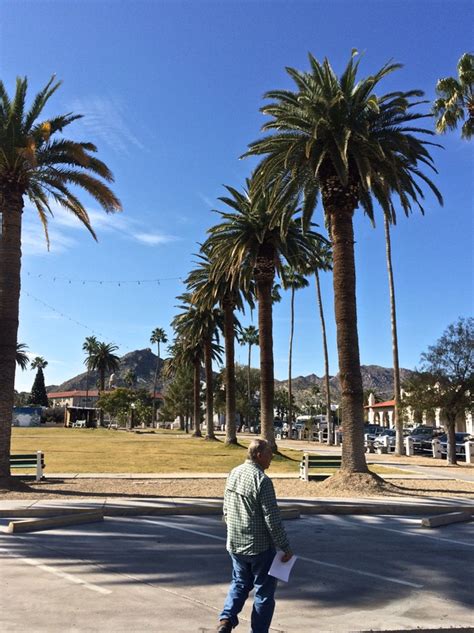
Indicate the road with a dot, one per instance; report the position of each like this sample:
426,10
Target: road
170,575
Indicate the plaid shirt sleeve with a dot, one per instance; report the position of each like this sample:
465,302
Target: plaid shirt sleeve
271,515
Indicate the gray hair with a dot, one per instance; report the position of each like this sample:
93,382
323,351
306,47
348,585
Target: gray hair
257,446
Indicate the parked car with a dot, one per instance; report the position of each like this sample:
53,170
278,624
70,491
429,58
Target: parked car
460,439
390,433
374,430
422,437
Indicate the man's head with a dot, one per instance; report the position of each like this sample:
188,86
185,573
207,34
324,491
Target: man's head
260,452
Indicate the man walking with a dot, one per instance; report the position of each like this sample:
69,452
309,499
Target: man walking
254,530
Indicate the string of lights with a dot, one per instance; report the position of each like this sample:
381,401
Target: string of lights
100,282
66,316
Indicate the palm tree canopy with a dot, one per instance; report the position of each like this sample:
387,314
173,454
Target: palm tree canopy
335,131
249,336
158,336
38,363
35,163
22,359
261,223
103,359
292,279
196,324
455,102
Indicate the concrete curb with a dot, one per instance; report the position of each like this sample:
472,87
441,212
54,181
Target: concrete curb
288,511
34,525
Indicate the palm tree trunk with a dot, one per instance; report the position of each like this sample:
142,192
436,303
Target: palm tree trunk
397,418
155,379
210,435
230,406
196,399
249,399
326,359
451,437
11,209
340,208
290,358
264,275
87,394
101,389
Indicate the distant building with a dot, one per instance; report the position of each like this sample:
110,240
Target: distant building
74,398
382,413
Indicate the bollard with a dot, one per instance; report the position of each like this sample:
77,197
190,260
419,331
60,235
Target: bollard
321,436
409,446
436,448
469,449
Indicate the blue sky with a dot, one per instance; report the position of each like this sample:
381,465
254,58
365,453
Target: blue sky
171,94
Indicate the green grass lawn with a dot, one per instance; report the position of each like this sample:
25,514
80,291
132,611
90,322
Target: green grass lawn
104,451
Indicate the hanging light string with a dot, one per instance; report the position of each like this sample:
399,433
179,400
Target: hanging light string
68,318
100,282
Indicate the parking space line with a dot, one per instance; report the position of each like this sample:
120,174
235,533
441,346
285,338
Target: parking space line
361,573
309,560
56,572
183,529
404,533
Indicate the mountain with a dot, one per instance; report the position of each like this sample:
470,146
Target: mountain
374,378
142,362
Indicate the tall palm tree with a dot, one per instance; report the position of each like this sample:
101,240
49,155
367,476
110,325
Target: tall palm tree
397,417
103,360
36,165
213,287
327,387
455,102
89,345
292,280
157,336
249,336
198,328
249,237
335,137
21,357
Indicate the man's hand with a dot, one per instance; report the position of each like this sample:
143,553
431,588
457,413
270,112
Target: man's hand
286,557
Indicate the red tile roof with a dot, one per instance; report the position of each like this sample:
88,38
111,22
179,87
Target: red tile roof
73,394
387,403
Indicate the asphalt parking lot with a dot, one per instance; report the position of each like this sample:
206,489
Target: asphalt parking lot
170,575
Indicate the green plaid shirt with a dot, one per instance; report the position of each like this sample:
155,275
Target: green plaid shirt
251,512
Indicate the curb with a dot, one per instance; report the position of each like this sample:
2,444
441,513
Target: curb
288,511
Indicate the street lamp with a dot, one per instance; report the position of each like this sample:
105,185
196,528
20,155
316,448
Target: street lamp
132,414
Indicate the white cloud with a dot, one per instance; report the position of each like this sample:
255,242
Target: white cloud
154,238
62,225
207,201
105,119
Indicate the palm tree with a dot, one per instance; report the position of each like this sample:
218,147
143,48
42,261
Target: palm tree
211,287
249,238
327,387
249,336
334,137
89,345
397,417
455,102
157,336
21,357
37,165
292,280
197,328
103,360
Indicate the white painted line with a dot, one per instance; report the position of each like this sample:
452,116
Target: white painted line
361,573
56,572
309,560
404,533
183,529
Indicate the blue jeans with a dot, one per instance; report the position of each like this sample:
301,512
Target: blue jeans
251,572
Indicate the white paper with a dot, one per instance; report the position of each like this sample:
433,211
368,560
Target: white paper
279,569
